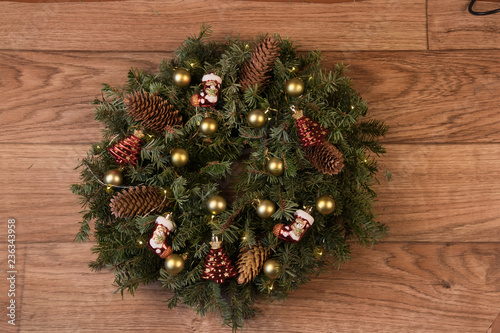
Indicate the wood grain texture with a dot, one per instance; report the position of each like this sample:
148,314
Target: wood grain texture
414,92
413,287
445,193
154,25
451,27
435,83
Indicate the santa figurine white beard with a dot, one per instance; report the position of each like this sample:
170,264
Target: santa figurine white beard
294,232
210,94
158,241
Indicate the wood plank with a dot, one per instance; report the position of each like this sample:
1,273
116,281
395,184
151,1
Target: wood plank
414,92
439,193
46,93
398,287
155,26
451,27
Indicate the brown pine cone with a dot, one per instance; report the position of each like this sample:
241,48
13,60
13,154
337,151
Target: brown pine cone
250,262
326,158
152,111
138,200
256,71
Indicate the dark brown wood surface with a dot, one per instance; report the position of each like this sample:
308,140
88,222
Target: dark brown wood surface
428,68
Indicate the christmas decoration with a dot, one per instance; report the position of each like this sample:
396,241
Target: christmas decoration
326,158
322,154
294,232
272,268
152,111
250,262
216,204
210,94
208,126
310,132
325,204
158,240
265,208
179,157
141,241
256,71
218,266
138,200
127,150
295,87
275,166
319,252
174,264
181,77
257,118
113,177
195,100
242,162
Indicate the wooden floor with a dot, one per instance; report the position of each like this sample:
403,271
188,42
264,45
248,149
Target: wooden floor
428,68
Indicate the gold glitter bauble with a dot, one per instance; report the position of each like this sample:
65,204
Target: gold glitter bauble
275,166
272,268
295,87
216,204
325,204
181,77
208,126
257,118
179,157
266,208
113,177
174,264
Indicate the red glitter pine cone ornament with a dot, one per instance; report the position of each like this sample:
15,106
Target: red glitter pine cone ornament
127,150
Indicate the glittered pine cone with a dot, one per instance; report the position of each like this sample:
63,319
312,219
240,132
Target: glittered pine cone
152,111
326,158
256,70
139,200
250,262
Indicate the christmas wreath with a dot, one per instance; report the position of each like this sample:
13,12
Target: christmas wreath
239,169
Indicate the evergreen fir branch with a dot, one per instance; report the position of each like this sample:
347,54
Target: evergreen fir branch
329,99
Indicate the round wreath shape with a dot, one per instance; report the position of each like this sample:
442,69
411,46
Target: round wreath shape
239,169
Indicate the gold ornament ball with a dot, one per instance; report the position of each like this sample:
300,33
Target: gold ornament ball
216,204
325,204
257,118
182,77
272,268
208,126
174,264
266,208
295,87
179,157
275,166
113,177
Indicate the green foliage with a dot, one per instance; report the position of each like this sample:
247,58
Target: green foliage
233,161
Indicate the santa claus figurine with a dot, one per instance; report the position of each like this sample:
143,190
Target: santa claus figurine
158,241
292,233
209,96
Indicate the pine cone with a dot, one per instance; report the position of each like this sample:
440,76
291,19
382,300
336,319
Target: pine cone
250,262
256,71
152,111
138,200
326,158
